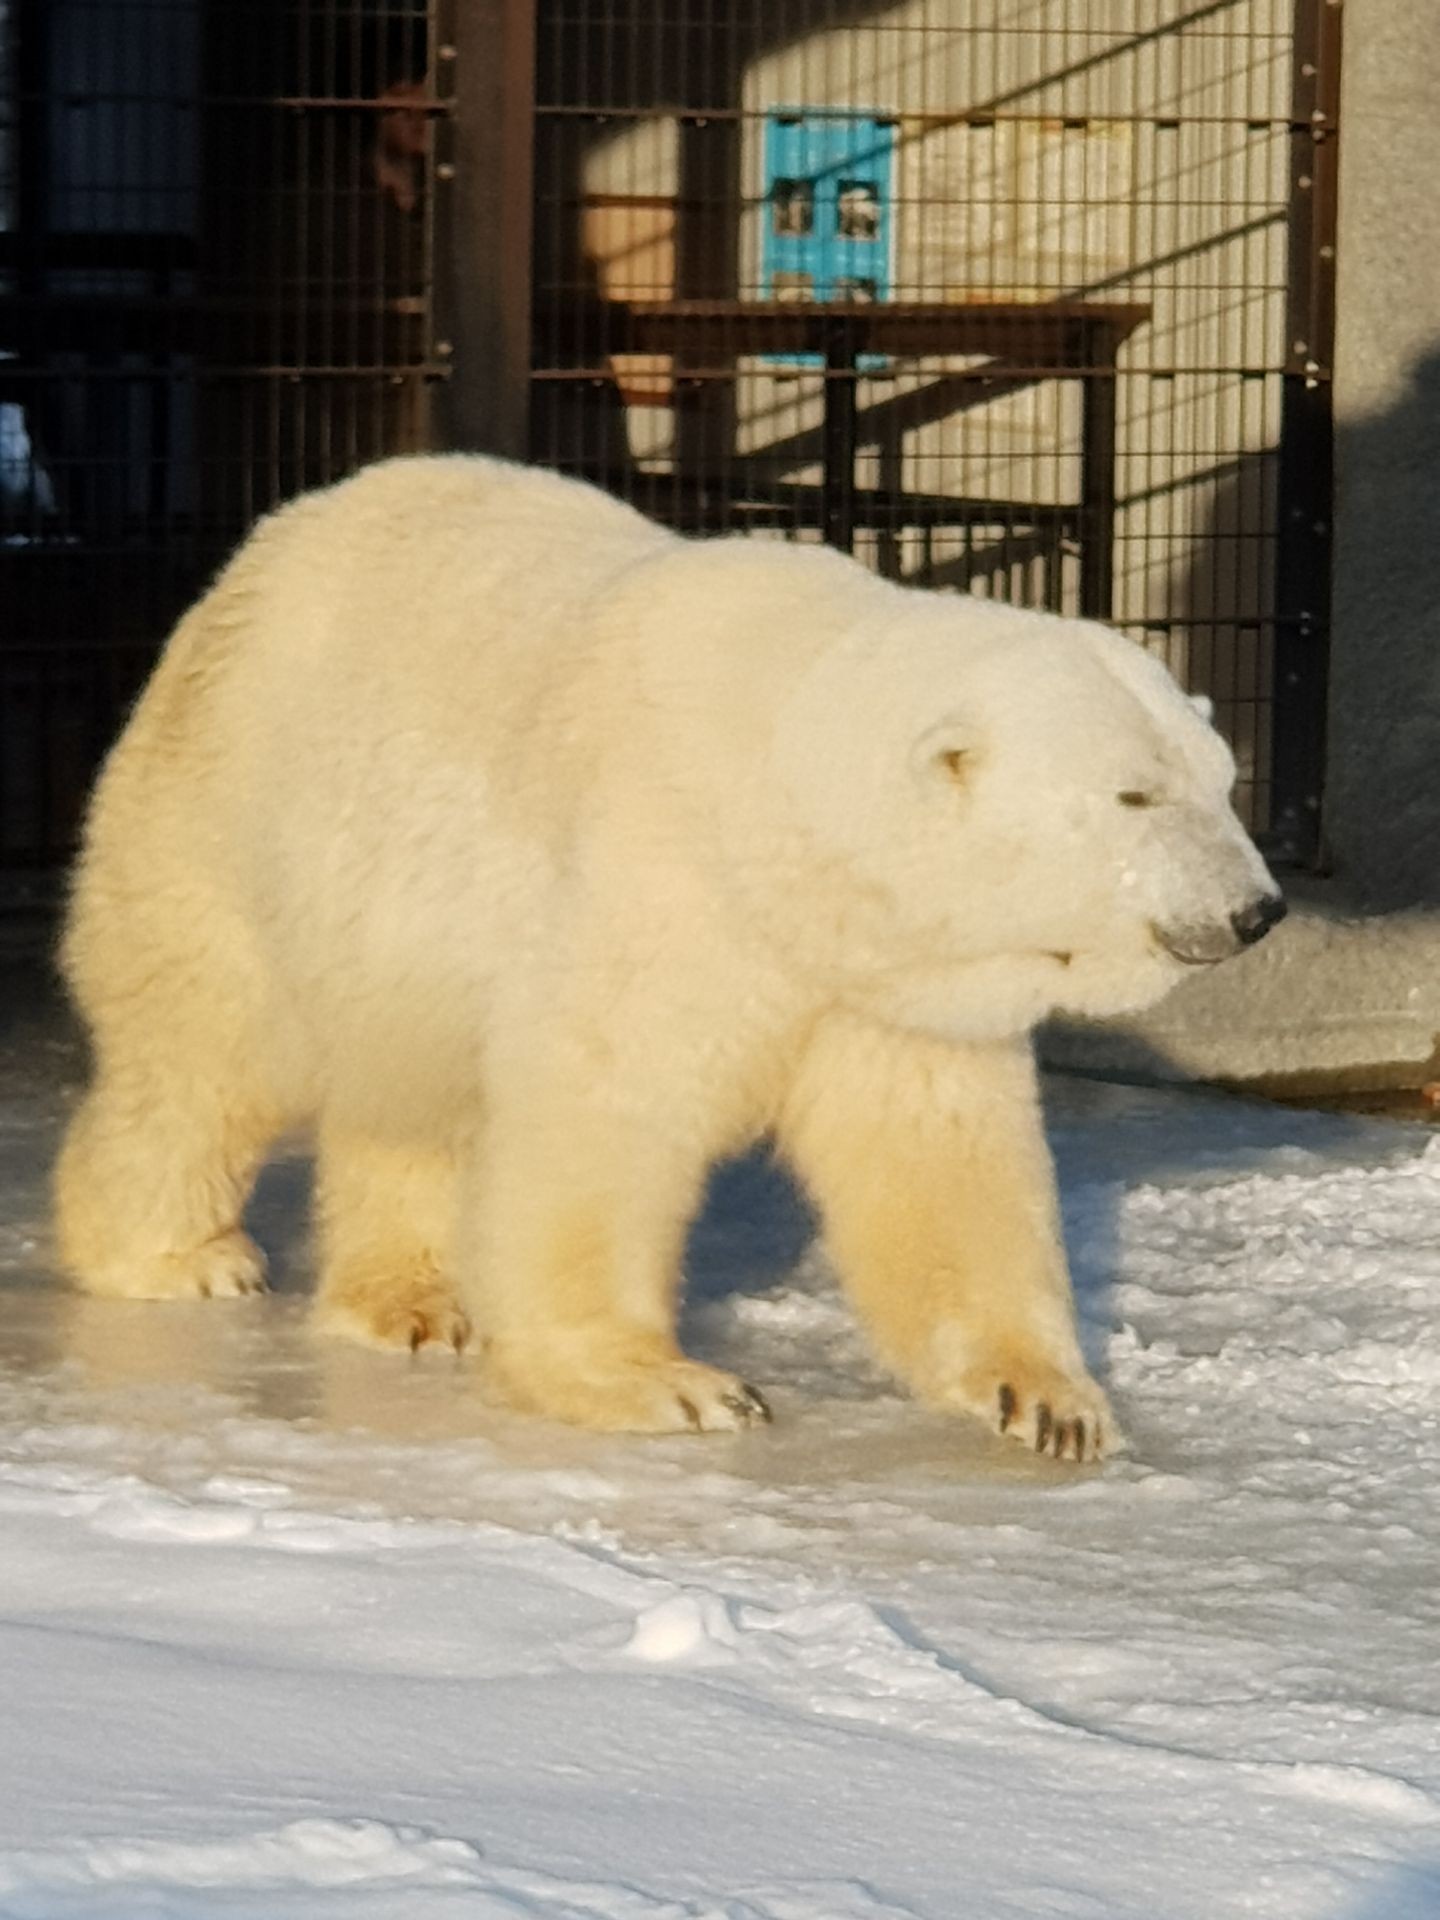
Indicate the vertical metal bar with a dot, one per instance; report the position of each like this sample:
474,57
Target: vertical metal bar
23,739
1302,584
32,173
484,257
838,434
707,257
1097,465
31,43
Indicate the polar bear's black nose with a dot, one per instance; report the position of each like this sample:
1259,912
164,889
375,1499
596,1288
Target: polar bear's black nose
1252,923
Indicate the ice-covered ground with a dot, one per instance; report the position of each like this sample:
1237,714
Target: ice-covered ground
289,1631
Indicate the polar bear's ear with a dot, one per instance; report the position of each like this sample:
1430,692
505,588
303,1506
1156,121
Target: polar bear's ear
945,752
1204,706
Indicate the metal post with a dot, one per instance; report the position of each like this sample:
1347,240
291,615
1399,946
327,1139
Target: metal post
1302,574
838,482
1097,461
485,168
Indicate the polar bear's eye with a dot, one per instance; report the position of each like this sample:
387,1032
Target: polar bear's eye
1135,797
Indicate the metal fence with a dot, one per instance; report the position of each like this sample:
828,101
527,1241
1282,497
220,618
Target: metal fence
216,262
1027,297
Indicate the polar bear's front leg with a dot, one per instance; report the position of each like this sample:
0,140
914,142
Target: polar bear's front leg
575,1231
929,1165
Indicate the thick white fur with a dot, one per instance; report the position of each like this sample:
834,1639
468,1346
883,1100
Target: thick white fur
536,858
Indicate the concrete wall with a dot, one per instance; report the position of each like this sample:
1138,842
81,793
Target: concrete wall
1383,799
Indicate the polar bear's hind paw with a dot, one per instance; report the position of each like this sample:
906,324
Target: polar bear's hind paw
229,1267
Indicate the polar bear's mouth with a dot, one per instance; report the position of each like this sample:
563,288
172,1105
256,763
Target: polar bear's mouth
1194,946
1205,943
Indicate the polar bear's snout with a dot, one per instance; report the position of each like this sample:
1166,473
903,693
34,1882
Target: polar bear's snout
1205,944
1252,923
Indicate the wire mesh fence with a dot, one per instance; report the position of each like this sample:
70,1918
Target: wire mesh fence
1000,294
1025,297
216,254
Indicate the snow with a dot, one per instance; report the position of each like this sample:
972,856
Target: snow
290,1631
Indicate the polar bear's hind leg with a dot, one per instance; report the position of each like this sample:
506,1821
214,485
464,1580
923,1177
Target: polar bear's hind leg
160,1157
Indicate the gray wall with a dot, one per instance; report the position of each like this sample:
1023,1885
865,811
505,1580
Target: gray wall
1383,802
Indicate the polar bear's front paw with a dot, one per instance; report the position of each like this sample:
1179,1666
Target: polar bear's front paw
1049,1409
400,1312
626,1393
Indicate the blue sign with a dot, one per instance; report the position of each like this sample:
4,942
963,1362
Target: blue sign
828,211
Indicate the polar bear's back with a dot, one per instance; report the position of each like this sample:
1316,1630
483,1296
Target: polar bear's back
360,729
417,615
422,569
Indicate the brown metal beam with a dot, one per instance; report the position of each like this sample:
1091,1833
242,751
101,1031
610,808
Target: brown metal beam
485,172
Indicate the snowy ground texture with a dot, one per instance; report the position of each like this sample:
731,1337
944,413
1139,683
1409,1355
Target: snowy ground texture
289,1631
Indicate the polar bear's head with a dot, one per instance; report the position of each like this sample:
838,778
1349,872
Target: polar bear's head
997,813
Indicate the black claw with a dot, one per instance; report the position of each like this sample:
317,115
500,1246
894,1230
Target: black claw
749,1404
458,1339
691,1413
417,1334
1042,1427
1079,1439
1007,1406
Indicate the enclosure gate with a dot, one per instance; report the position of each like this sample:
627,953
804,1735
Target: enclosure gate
1033,302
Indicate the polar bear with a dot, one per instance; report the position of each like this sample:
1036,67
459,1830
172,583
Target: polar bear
536,858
